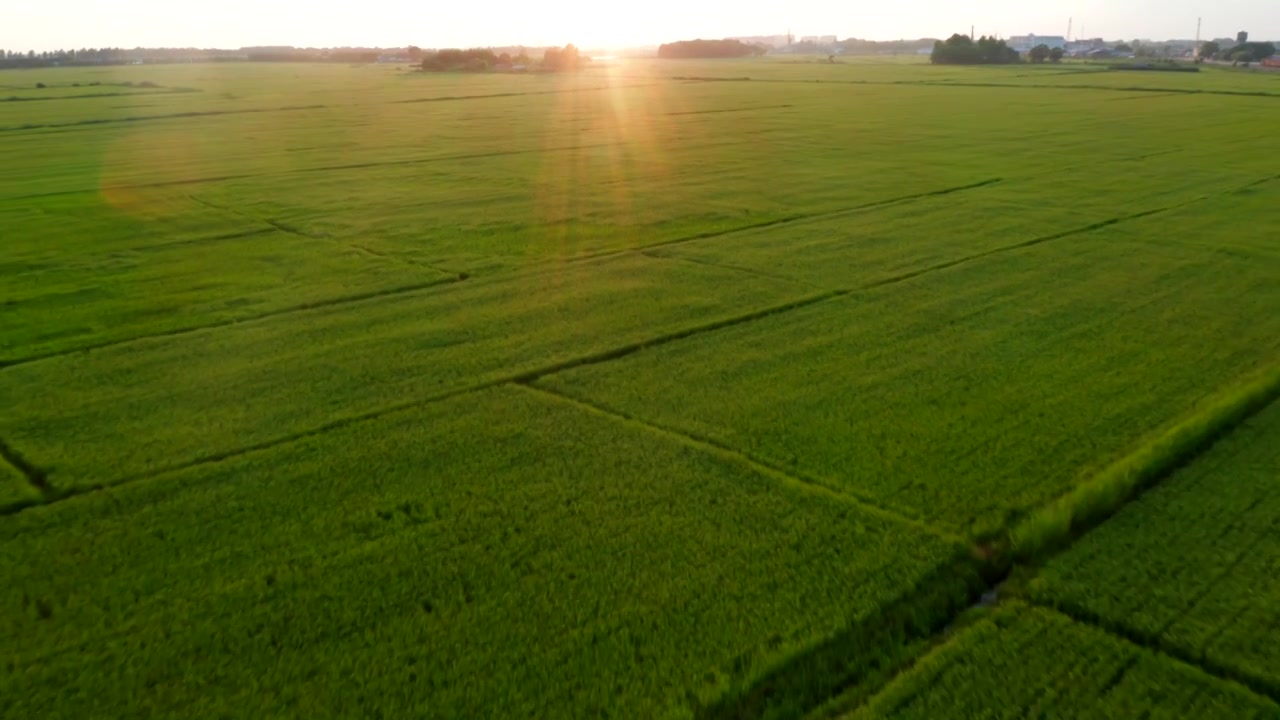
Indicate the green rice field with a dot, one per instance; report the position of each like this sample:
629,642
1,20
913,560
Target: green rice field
666,389
1203,547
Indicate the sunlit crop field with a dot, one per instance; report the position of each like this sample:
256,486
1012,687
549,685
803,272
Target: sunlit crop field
664,389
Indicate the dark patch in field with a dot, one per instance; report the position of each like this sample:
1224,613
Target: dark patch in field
170,116
38,478
90,96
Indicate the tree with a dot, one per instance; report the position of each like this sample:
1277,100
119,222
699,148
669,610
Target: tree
1056,54
1124,48
564,59
1039,53
686,49
1252,51
1209,49
473,60
962,50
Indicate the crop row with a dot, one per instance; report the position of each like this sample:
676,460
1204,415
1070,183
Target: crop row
1191,566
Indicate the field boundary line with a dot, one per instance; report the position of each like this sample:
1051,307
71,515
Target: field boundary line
945,265
171,116
786,220
347,166
631,348
303,307
911,274
723,266
1012,86
758,465
35,476
1056,525
94,96
526,376
292,230
727,110
1153,643
1002,559
567,91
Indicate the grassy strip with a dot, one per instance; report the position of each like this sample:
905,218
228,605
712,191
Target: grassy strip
859,660
1054,526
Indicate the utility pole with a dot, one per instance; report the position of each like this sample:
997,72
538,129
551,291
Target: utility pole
1198,21
971,35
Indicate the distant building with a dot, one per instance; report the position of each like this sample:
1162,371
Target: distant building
1024,43
1272,62
772,41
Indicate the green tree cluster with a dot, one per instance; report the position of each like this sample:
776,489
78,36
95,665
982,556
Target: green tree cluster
962,50
566,59
686,49
453,60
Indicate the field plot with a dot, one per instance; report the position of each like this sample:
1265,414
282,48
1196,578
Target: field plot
1030,662
90,290
498,554
259,382
1192,566
866,246
967,396
348,390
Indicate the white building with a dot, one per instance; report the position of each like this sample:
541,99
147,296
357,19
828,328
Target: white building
1024,43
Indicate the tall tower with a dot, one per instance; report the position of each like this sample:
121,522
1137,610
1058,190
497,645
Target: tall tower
1070,22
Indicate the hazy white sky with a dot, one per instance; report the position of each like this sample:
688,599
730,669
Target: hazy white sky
431,23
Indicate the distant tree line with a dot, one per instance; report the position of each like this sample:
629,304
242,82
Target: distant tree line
687,49
299,55
1244,52
108,56
564,59
455,60
962,50
1042,52
854,46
